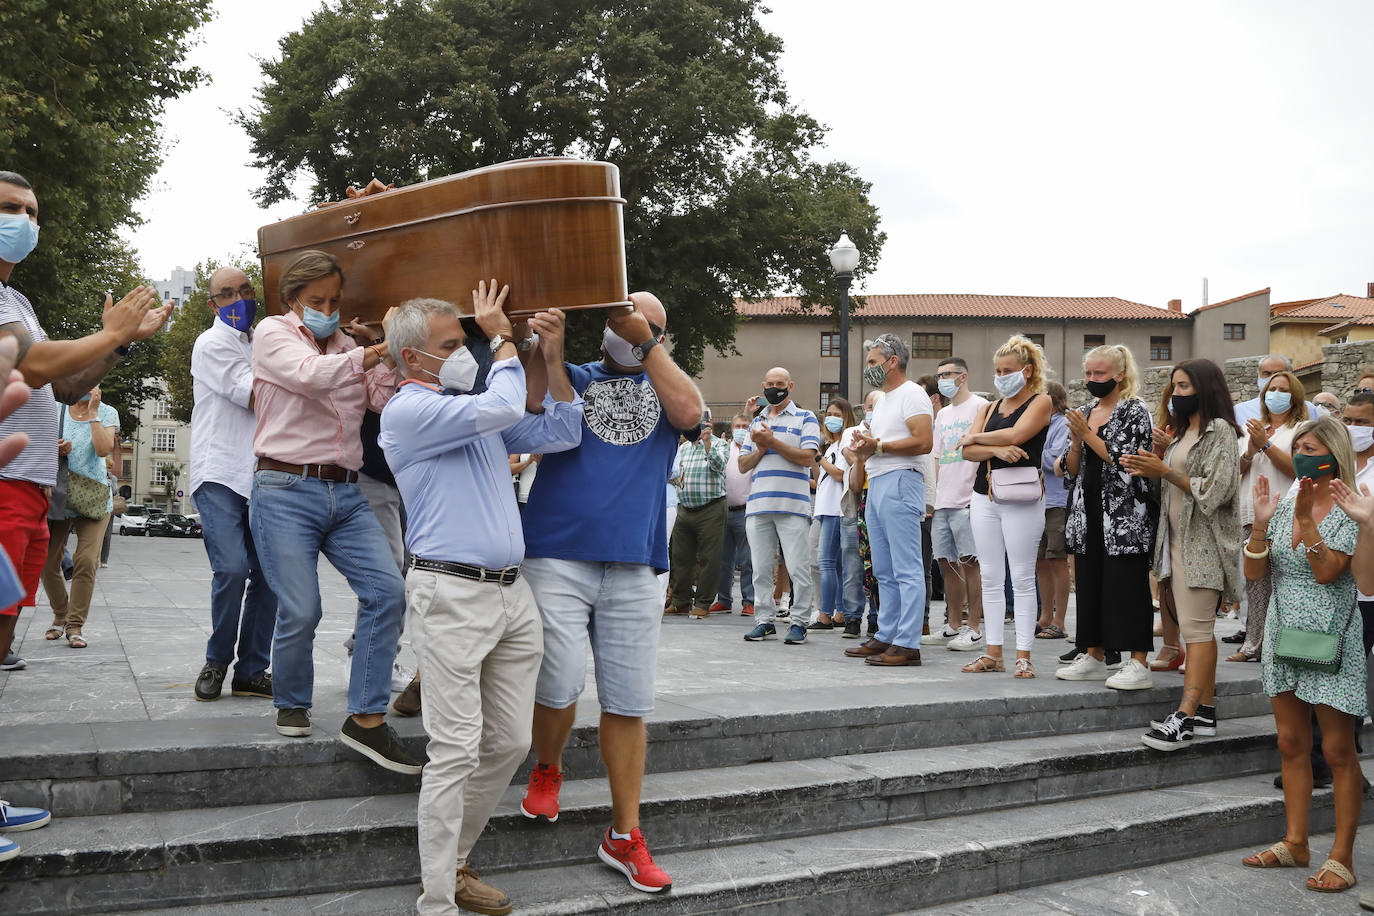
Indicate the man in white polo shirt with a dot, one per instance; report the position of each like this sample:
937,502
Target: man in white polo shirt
780,450
898,437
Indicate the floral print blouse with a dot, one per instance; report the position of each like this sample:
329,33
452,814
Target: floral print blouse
1128,519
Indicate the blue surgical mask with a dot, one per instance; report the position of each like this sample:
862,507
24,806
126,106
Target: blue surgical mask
1278,401
1010,384
18,236
868,417
318,323
948,387
834,424
240,313
738,434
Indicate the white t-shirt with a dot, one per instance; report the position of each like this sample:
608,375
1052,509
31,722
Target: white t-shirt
889,422
1279,482
954,484
829,491
525,479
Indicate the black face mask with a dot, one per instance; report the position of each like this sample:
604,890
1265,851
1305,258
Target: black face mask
1183,406
692,435
1101,389
775,396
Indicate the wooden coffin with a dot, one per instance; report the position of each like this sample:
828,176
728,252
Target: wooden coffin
551,228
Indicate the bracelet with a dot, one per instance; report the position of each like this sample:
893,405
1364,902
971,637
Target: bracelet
376,351
1265,446
1315,548
1245,549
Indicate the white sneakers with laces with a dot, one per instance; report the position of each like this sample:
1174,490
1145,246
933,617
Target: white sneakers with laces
1132,676
1083,668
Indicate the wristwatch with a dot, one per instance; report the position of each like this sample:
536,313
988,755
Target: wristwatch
527,344
879,449
642,350
496,343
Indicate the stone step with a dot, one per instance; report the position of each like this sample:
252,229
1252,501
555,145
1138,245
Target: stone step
95,863
126,767
882,870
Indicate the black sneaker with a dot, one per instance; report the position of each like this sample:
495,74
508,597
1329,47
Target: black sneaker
851,629
293,723
1073,653
873,628
1113,659
1204,722
381,745
210,682
1172,734
260,686
821,625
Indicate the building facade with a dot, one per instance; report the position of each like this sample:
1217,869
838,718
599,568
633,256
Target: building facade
776,332
1300,329
176,288
155,463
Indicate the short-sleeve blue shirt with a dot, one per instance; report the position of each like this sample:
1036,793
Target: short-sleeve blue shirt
779,485
605,501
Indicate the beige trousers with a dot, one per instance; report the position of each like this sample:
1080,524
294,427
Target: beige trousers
70,611
479,645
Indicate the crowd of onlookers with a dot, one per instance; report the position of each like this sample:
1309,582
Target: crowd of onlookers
1162,519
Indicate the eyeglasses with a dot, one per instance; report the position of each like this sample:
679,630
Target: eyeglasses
1364,390
245,291
955,374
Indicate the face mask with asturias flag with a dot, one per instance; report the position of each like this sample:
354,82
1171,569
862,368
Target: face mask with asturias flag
239,314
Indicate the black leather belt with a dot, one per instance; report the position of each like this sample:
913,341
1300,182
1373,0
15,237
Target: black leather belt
738,508
464,571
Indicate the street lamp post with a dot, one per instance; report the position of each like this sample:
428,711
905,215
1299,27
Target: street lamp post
844,257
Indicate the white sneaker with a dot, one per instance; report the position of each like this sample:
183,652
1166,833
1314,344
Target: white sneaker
401,676
968,640
1132,676
941,636
1083,668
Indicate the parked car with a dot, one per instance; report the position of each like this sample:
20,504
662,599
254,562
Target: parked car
177,526
135,520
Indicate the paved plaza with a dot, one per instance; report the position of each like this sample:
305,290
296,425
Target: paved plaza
147,630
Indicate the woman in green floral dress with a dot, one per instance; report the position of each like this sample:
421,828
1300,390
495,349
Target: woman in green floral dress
1308,541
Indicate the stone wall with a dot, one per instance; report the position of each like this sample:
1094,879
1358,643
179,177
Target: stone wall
1342,364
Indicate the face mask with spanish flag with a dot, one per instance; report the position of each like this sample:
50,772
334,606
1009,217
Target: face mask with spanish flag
1314,467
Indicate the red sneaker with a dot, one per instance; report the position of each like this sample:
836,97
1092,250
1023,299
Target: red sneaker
631,858
541,797
718,608
747,611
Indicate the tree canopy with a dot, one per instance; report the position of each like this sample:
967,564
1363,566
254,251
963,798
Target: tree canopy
82,91
724,195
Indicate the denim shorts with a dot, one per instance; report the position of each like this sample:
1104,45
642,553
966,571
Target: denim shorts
620,607
951,535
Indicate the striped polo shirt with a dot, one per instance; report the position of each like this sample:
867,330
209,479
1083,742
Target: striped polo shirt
37,463
779,485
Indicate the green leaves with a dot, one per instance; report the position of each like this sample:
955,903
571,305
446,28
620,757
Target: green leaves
724,196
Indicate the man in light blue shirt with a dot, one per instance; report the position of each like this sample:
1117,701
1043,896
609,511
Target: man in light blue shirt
781,451
480,640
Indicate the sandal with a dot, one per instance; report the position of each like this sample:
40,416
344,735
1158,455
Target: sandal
75,641
1238,657
1024,668
54,632
1315,882
1283,858
1053,631
984,664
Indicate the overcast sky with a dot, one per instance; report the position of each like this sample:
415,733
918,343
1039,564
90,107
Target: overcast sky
1049,148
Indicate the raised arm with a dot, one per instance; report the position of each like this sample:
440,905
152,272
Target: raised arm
676,391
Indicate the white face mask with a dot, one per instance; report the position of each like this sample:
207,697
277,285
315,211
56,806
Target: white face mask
459,371
619,349
1362,437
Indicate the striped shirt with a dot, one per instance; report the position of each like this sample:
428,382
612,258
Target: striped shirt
779,485
37,463
701,471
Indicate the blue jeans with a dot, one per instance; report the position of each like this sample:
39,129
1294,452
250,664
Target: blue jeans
294,520
896,506
735,554
839,557
234,564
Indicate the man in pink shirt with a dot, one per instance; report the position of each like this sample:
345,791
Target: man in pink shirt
951,534
311,386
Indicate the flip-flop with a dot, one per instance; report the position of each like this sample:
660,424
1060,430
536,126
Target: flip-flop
1283,858
53,633
1337,869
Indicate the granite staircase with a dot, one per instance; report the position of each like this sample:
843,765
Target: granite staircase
887,804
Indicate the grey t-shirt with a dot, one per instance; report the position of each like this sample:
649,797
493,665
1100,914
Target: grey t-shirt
37,463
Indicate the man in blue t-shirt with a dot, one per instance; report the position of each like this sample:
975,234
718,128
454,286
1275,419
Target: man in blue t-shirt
595,539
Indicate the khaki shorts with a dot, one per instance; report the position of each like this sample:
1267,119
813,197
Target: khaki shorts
1052,544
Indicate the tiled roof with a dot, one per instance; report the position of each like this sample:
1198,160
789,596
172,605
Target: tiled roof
1363,321
1336,308
1217,305
961,305
1278,308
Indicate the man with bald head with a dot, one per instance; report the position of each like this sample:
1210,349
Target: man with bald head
780,449
222,427
595,541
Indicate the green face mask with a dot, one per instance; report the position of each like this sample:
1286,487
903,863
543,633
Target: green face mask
1314,466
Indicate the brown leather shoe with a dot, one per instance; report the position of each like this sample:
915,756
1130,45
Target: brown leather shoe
407,702
672,611
872,647
479,897
894,657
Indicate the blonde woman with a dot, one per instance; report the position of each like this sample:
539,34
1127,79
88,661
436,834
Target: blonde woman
1110,527
1307,542
1265,453
1007,524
